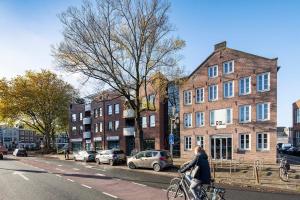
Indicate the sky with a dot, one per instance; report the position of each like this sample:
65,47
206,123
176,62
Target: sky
270,28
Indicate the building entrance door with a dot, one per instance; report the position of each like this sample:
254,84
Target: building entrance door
221,147
129,144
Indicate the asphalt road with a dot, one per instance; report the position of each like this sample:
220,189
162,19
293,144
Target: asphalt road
37,178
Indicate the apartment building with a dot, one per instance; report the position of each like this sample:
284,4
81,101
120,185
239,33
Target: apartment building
296,123
228,105
28,139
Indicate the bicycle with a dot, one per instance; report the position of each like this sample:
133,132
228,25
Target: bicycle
180,189
284,167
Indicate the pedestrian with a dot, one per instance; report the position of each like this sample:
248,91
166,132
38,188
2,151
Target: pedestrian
200,173
68,152
65,153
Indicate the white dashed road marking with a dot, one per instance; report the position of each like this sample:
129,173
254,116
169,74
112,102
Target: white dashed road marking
76,169
70,180
139,184
21,175
59,165
58,175
103,170
88,166
100,174
86,186
60,169
113,196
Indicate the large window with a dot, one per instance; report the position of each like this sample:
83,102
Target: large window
96,128
80,116
213,92
263,82
100,127
187,143
245,86
117,108
187,120
200,141
96,113
228,89
74,130
228,67
199,119
144,122
229,116
81,129
212,120
297,115
245,114
262,141
100,112
199,95
245,142
152,120
110,125
187,97
263,111
213,71
109,109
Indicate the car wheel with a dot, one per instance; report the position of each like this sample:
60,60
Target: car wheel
156,167
98,161
131,165
111,163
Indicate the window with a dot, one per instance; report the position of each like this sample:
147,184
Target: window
187,143
152,120
110,126
228,67
187,97
151,100
262,141
200,141
229,116
228,89
188,120
100,112
213,92
109,109
245,114
297,114
263,111
144,122
117,124
213,71
245,86
74,130
100,127
245,142
81,129
80,116
263,82
96,128
199,95
73,117
297,138
212,120
96,114
117,108
199,119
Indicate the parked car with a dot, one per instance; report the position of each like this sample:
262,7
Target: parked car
156,159
293,151
111,157
1,156
84,156
3,150
20,152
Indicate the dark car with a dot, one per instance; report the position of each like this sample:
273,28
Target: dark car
20,152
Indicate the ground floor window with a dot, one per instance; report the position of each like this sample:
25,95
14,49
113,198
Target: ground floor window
113,144
76,146
200,141
262,141
187,143
149,144
98,145
297,138
244,141
221,147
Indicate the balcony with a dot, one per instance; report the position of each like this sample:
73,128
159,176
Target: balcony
129,131
87,135
86,120
129,113
87,107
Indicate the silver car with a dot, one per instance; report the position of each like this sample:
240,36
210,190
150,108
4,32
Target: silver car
84,156
111,157
156,159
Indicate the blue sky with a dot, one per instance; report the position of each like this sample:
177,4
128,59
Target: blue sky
269,28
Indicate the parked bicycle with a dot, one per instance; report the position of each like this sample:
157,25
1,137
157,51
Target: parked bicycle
284,168
180,189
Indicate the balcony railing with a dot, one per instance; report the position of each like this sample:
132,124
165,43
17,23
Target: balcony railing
86,120
129,113
86,134
129,131
87,107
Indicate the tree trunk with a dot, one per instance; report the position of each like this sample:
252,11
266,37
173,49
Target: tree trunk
139,135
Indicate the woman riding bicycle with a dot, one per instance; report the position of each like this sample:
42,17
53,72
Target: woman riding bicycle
202,173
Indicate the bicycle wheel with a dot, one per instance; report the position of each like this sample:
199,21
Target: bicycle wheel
283,174
175,181
175,192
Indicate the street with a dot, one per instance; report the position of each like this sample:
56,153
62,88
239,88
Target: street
56,179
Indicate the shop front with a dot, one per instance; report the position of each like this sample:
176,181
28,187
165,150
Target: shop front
98,143
113,142
76,144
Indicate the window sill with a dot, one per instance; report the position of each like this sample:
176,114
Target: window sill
263,150
247,122
199,102
187,104
262,91
244,94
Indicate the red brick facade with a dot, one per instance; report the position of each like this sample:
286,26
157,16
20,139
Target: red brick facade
296,123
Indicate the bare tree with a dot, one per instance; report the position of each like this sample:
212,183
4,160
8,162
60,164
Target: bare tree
121,43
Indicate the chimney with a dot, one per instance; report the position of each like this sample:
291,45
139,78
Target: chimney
219,46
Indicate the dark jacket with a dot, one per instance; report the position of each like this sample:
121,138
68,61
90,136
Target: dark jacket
203,173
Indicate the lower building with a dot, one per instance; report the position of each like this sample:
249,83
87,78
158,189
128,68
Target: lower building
284,135
296,123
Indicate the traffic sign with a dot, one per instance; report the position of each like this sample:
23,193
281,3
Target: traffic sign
171,138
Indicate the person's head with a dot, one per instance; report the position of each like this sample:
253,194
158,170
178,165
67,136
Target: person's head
198,149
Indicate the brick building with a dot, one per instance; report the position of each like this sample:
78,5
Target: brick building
296,123
228,105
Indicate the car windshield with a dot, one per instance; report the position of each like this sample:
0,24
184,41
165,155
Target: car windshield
91,152
21,151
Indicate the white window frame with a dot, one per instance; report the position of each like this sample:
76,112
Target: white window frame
96,114
200,141
200,119
212,123
263,111
96,128
187,143
101,127
80,116
224,68
109,110
199,95
228,83
100,112
117,108
188,120
244,86
214,70
243,111
263,148
187,97
214,89
231,117
243,143
117,125
74,117
110,125
152,120
263,89
81,129
144,122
